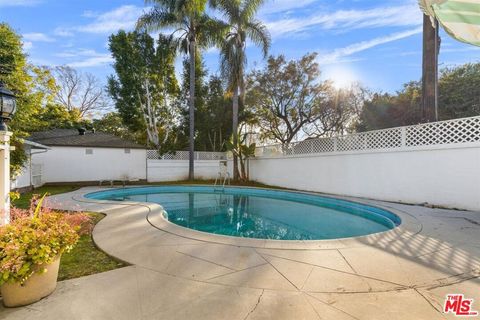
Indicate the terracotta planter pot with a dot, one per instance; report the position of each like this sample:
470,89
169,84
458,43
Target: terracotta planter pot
35,288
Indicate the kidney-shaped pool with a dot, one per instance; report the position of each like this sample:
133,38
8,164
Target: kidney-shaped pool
259,213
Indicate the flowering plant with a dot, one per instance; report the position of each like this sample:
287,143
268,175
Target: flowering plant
37,237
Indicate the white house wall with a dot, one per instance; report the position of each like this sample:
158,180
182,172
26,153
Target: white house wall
73,164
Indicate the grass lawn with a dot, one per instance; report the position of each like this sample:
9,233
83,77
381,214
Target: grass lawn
85,258
24,201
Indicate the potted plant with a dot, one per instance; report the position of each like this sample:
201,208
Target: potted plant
30,250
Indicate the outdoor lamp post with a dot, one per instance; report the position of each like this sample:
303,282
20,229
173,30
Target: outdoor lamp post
8,107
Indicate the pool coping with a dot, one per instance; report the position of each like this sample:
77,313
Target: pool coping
409,224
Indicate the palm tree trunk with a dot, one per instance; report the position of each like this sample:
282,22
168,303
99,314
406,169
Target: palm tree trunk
241,85
430,71
235,131
191,148
243,175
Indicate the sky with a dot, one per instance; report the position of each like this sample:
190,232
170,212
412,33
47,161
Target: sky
377,43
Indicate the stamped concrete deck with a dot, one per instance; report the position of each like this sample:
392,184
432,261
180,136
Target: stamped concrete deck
178,273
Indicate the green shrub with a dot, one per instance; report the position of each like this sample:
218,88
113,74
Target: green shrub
37,237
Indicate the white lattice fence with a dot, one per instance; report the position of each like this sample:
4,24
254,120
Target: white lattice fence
458,131
445,132
184,155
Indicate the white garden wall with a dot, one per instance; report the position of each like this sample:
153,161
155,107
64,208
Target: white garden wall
76,164
172,170
436,163
448,176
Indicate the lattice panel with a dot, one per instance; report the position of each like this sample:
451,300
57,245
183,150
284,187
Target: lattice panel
444,132
351,142
211,155
313,146
383,139
184,155
181,155
153,154
466,130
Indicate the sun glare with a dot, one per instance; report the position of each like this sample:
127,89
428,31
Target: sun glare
342,77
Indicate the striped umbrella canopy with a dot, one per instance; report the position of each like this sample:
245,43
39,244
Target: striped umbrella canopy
459,18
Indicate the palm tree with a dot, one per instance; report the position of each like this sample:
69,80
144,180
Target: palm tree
242,25
193,28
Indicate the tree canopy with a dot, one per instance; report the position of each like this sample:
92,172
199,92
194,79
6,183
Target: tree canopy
291,102
35,90
144,87
459,97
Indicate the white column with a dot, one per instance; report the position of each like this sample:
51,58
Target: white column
5,177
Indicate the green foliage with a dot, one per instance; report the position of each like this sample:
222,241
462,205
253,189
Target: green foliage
11,56
193,29
35,90
387,111
214,122
213,110
144,86
459,91
25,199
35,238
192,26
242,150
85,258
241,25
112,123
18,157
459,96
33,87
57,116
289,100
134,55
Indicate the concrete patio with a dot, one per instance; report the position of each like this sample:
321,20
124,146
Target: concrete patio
177,273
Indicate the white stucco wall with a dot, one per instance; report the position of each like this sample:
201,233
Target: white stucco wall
72,164
442,176
171,170
23,179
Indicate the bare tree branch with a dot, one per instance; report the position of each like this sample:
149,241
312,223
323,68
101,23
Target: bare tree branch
80,92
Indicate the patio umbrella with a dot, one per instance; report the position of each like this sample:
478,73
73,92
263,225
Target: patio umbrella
459,18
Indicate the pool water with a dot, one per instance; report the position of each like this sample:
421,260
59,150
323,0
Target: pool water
259,213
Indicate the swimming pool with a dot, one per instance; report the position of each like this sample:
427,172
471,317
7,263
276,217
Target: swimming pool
259,213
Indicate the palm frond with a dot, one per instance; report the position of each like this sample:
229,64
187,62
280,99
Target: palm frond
258,33
230,8
211,32
156,19
165,4
250,8
232,61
